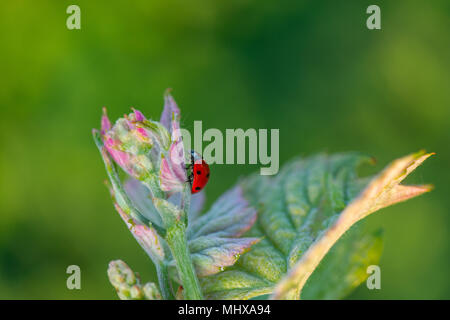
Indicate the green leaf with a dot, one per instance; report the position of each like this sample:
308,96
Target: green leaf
302,212
345,267
213,238
211,255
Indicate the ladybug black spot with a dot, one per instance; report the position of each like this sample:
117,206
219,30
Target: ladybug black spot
207,175
197,188
199,172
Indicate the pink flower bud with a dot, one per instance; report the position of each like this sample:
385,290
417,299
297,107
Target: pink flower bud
147,149
173,169
170,110
128,145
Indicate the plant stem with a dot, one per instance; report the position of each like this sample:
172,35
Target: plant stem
162,272
176,239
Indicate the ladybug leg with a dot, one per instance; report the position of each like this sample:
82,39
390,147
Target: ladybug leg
190,170
190,178
190,167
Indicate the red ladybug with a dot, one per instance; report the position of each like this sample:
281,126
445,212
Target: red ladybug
200,172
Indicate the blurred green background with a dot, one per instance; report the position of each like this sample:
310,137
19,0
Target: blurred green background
310,68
